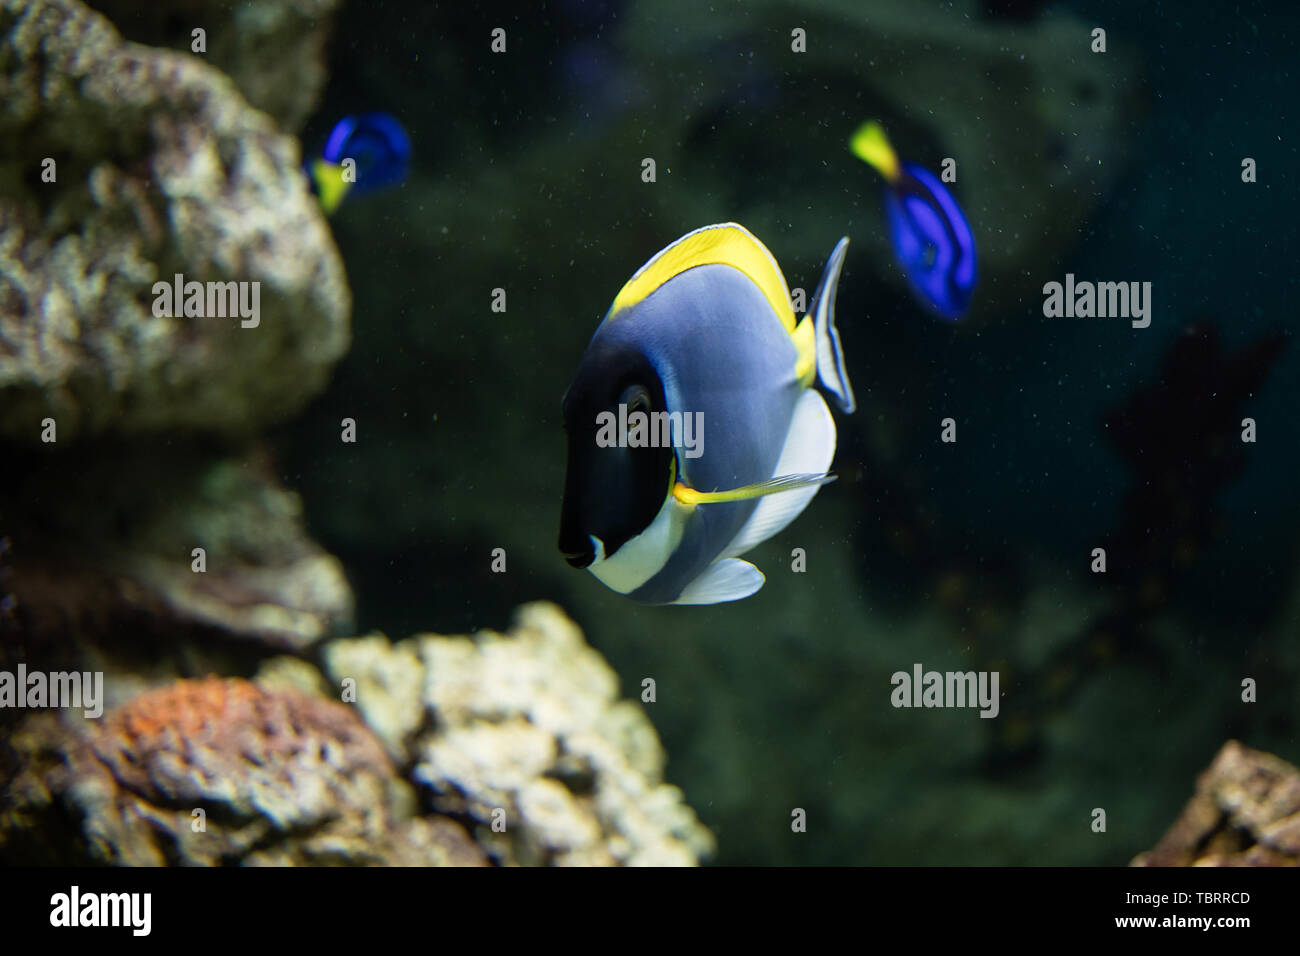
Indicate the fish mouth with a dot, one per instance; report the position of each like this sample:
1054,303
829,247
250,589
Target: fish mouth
580,550
580,559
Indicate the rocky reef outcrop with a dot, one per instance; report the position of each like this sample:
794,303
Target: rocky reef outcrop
125,165
274,50
508,748
128,429
180,540
215,772
1246,812
524,735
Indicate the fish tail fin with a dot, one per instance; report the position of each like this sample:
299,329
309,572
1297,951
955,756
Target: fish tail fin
870,144
831,371
330,186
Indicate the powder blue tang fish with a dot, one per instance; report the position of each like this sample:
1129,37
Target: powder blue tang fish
378,145
931,238
704,330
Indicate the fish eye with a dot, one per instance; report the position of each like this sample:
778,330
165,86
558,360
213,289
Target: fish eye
636,398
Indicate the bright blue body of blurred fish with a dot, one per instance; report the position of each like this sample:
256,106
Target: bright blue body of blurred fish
378,146
932,240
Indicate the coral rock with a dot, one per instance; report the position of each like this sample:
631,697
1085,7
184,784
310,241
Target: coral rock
1246,812
280,777
274,50
162,169
120,545
524,734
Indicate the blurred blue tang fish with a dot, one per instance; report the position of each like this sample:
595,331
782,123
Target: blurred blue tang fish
376,143
931,238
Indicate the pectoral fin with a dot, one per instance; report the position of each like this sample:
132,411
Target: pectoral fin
729,579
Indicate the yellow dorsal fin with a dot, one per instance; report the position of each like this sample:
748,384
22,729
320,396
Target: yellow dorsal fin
724,244
871,146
